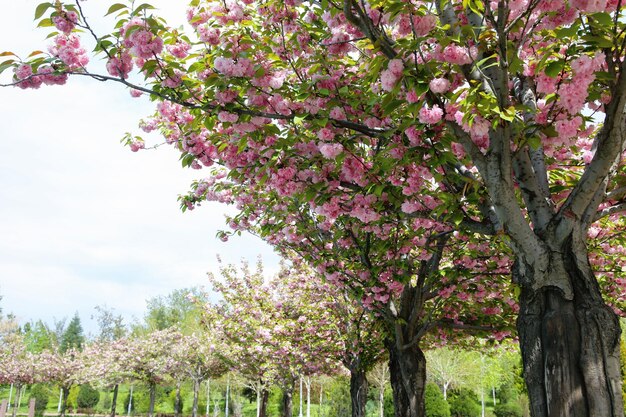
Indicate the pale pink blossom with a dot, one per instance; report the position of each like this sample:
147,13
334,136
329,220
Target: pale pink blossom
430,115
439,85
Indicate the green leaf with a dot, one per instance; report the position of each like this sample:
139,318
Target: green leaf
534,142
41,9
115,7
567,32
554,68
142,7
603,19
7,64
392,105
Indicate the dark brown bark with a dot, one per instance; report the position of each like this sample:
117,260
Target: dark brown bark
358,391
114,400
196,390
265,397
287,400
178,401
152,399
407,369
570,348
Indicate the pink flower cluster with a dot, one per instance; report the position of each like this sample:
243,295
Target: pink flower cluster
390,77
439,85
418,25
572,95
120,66
65,21
45,75
455,54
243,67
141,42
430,116
68,49
179,50
331,150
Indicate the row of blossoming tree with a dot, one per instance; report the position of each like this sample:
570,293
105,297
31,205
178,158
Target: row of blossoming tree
412,151
271,332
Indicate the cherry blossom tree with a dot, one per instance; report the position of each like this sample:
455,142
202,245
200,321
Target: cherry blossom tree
149,359
406,134
198,359
18,365
65,368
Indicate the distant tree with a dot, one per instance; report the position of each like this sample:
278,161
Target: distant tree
111,326
112,329
73,336
179,309
38,336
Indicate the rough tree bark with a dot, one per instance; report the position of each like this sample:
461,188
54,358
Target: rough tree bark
287,400
152,399
196,393
570,342
358,390
407,369
114,400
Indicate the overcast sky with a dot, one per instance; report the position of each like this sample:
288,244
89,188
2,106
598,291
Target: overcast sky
84,221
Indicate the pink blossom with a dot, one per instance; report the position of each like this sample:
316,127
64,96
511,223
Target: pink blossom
412,97
180,49
331,150
455,54
337,113
568,128
590,6
325,134
409,207
120,66
430,115
65,21
225,116
439,85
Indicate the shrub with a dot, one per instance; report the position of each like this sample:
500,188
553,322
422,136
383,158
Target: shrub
435,404
87,397
464,403
508,410
40,393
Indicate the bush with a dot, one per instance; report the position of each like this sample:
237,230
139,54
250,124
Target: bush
40,393
464,403
435,404
87,397
508,410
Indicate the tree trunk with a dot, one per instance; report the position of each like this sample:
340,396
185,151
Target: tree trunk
407,368
569,343
196,393
265,398
152,399
177,401
66,393
114,400
16,403
287,401
358,391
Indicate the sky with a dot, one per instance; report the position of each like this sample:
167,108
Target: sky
84,222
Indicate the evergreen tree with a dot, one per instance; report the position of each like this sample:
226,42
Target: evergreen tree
73,336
